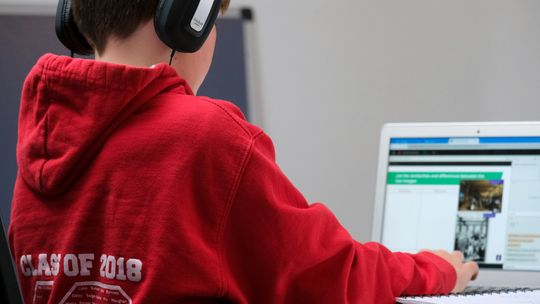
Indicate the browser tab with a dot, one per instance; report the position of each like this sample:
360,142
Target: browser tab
464,141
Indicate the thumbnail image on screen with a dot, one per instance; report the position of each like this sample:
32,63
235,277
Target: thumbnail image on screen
481,195
471,237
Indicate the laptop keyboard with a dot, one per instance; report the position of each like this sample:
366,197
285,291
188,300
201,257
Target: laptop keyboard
471,290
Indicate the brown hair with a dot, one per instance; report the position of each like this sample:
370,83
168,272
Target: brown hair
98,20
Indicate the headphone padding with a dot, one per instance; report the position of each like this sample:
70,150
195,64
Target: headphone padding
172,24
68,32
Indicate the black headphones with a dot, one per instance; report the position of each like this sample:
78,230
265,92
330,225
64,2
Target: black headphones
183,25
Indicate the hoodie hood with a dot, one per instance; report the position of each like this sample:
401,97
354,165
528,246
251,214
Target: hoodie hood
70,107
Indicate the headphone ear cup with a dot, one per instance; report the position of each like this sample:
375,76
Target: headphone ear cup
67,31
184,25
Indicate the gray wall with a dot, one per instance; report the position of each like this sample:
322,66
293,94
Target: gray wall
330,73
334,71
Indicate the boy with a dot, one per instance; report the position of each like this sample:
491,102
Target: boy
132,189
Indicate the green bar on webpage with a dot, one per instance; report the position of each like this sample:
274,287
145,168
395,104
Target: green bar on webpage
439,178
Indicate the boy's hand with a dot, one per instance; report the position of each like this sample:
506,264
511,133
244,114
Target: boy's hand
465,271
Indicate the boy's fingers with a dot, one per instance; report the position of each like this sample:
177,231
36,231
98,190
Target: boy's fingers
458,256
473,269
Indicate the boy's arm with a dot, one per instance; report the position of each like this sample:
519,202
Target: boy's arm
275,248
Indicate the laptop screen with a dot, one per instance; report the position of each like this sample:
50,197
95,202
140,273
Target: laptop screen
479,195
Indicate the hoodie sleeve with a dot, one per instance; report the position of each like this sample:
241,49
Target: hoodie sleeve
278,249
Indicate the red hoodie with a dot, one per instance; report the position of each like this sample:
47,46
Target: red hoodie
132,190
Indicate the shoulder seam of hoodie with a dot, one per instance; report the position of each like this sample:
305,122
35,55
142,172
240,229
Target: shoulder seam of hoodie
224,219
233,191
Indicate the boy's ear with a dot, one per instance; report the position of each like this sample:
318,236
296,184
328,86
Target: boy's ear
184,25
67,31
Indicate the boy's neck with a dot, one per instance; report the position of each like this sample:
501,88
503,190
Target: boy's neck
141,49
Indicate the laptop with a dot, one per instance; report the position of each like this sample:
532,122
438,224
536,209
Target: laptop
473,187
